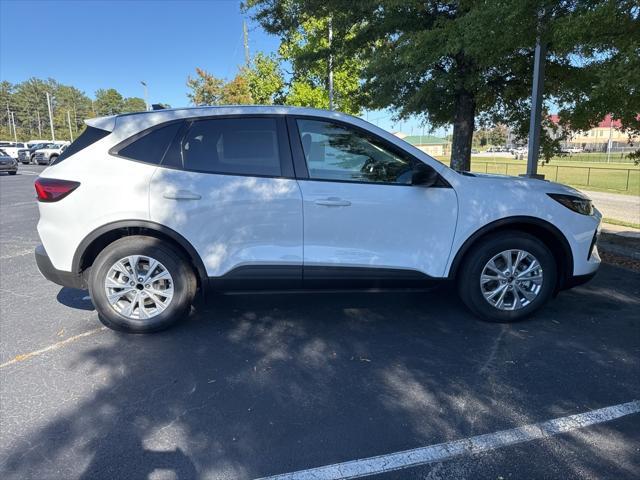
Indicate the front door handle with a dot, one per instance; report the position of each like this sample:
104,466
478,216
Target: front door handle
333,202
182,195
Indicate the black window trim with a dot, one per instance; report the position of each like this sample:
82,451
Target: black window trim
286,164
302,172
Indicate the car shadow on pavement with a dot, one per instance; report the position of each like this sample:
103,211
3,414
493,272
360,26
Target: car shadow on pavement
75,298
255,385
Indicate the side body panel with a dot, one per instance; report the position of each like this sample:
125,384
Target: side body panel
486,199
237,221
111,189
383,226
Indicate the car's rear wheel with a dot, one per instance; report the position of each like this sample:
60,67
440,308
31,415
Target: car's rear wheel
141,284
12,173
507,277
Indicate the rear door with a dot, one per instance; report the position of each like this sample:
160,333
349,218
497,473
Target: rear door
227,186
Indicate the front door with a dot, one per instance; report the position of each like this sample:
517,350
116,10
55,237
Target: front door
361,208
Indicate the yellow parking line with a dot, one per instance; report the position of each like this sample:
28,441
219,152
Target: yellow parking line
55,346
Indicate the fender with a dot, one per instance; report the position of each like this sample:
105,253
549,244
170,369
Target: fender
138,224
517,221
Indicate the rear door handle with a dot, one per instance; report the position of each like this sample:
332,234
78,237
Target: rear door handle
182,195
333,202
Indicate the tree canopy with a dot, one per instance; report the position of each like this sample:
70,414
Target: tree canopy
28,102
470,63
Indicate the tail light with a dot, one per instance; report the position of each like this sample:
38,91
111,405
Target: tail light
52,189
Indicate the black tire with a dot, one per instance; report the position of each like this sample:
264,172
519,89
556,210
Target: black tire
184,283
12,173
53,159
478,256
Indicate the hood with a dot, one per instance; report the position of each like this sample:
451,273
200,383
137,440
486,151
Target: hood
524,183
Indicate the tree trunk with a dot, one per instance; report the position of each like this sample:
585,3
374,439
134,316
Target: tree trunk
463,127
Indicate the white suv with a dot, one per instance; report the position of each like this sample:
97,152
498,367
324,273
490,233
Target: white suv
145,209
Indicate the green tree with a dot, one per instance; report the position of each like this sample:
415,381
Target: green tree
205,88
265,79
604,37
462,61
236,92
133,104
6,94
108,102
306,48
497,135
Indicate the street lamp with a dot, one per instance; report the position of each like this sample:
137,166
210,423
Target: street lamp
146,94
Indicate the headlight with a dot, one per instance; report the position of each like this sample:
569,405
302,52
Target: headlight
577,204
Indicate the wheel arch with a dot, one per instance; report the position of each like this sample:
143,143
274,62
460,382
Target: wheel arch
546,232
98,239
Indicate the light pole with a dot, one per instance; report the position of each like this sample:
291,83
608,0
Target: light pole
536,103
69,121
53,133
146,94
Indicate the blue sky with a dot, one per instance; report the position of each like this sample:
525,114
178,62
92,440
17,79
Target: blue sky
94,44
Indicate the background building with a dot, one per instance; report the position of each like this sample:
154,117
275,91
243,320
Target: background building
597,139
431,145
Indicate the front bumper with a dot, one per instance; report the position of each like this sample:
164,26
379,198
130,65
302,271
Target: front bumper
60,277
576,280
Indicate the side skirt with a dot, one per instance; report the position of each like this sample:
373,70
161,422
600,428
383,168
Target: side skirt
274,278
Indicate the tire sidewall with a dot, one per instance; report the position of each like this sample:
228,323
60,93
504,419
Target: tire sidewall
470,285
182,275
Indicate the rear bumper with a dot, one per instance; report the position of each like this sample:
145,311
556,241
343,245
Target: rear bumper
48,271
8,168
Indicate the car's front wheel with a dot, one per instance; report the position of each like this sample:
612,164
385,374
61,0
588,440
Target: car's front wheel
507,276
141,284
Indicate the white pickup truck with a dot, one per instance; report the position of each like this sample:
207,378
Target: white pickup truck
11,148
46,156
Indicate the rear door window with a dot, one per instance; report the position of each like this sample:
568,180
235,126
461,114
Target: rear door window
236,146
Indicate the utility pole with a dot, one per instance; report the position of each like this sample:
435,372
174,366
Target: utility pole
39,124
245,34
69,121
53,133
13,121
146,94
536,104
330,66
8,118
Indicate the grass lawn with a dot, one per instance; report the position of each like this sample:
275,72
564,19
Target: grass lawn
607,177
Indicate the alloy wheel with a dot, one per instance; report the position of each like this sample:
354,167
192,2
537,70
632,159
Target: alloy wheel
511,280
139,287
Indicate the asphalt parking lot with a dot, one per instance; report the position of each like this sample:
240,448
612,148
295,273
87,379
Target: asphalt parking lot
260,385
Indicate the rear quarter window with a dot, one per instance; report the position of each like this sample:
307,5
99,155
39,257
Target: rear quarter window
90,136
151,146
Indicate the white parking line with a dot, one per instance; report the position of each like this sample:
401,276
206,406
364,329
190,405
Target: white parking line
467,446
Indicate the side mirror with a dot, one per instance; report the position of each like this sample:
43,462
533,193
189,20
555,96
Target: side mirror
424,175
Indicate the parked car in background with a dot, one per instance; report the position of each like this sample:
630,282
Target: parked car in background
571,150
26,155
7,163
145,208
520,153
48,155
13,149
